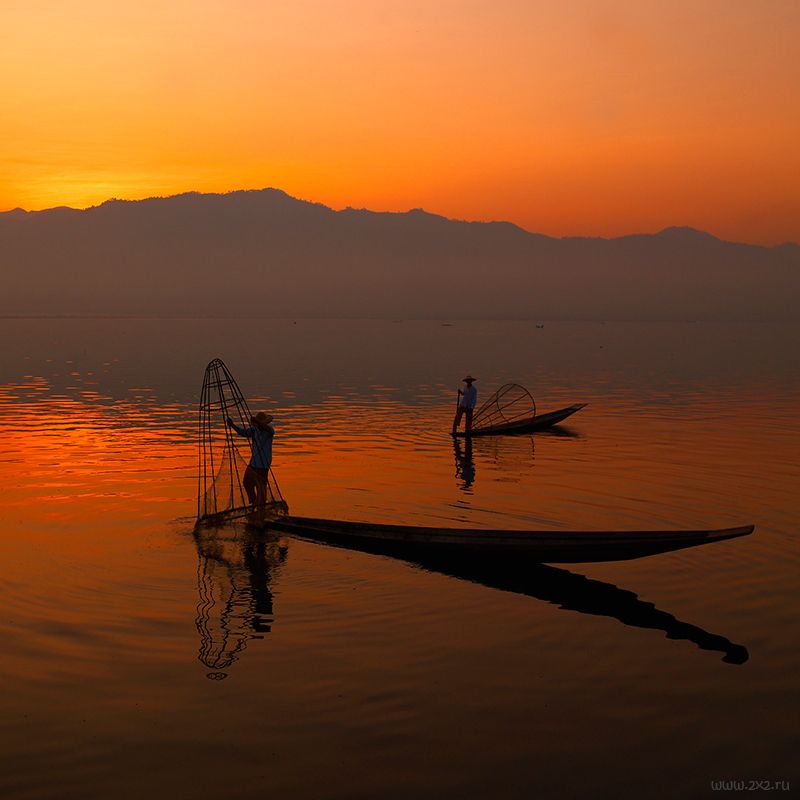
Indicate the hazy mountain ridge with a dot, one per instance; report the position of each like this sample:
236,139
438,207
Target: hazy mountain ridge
264,253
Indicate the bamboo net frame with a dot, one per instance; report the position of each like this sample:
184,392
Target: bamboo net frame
220,491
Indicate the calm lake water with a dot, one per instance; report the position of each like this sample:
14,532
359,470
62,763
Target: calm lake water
143,661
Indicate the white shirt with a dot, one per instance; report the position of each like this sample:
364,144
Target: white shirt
260,445
469,397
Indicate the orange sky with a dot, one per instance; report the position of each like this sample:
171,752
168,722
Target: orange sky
567,117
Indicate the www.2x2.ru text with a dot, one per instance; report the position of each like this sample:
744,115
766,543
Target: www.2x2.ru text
749,786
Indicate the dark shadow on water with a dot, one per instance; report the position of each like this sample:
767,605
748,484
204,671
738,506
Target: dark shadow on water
560,432
569,591
573,592
236,563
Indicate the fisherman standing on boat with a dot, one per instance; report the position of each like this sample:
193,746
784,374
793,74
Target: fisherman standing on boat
256,475
466,405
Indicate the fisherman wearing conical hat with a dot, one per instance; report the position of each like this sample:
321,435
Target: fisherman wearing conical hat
256,476
466,405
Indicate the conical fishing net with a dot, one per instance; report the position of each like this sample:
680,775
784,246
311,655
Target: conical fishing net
222,467
510,404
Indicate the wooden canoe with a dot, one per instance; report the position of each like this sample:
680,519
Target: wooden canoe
562,547
536,423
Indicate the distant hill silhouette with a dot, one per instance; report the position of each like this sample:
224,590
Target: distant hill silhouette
265,254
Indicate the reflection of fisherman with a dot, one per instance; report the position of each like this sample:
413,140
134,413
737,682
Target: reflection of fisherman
467,400
465,466
261,433
237,565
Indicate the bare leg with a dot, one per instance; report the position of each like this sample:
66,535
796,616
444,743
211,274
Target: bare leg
261,488
250,484
255,484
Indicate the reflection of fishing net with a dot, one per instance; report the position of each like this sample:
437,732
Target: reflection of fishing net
222,467
508,405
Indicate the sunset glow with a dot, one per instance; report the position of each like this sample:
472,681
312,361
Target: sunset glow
570,118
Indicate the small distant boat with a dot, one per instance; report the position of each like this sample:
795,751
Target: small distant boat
512,409
564,547
526,425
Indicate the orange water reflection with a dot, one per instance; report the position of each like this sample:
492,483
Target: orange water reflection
114,611
64,459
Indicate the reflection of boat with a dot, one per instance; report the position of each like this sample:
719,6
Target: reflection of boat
543,546
526,425
573,592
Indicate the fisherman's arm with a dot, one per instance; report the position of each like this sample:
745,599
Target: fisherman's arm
241,431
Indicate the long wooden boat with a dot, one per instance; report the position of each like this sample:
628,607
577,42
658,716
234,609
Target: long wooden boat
535,423
563,547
